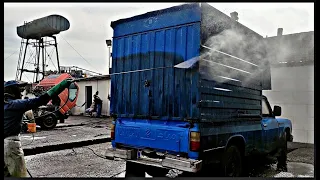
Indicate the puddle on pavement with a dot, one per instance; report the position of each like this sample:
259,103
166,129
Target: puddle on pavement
300,169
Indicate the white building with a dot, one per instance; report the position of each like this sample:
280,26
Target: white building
292,81
87,88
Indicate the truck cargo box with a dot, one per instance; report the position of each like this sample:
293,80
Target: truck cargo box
188,62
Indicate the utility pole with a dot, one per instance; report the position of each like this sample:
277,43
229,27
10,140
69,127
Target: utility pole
109,43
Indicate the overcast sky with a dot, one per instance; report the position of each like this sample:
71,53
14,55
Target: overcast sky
90,27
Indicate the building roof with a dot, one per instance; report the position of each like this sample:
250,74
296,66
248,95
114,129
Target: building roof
292,49
95,78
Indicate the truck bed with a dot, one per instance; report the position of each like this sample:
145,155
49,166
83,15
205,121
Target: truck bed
146,85
157,135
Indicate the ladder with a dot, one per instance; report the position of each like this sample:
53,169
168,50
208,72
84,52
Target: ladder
18,72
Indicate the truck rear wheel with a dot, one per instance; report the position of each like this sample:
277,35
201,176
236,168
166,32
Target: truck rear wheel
282,158
48,122
232,162
134,169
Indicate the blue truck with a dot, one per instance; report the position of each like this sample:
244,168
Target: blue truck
186,93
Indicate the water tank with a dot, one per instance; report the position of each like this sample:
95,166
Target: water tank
46,26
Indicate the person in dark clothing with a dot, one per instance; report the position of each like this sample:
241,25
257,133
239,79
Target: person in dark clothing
14,109
98,103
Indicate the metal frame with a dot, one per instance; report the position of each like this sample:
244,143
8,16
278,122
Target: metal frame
183,164
40,46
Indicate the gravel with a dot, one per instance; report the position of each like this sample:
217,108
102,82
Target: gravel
304,155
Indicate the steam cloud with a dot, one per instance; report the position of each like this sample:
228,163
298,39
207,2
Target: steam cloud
219,67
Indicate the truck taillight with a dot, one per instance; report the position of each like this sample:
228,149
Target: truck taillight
112,131
194,141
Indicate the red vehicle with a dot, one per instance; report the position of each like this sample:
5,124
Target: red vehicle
58,107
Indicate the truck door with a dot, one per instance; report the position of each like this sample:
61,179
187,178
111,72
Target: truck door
270,127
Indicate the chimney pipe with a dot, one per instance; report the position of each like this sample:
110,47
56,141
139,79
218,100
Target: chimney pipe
280,31
234,16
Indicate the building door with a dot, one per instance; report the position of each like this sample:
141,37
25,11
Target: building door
88,96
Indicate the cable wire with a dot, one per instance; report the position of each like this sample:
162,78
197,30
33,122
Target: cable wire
77,52
98,155
10,55
29,173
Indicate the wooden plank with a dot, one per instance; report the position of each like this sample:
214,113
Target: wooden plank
229,105
223,80
233,112
225,115
210,97
211,90
209,70
227,111
233,87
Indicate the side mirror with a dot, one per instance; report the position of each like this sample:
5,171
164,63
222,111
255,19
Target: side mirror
277,111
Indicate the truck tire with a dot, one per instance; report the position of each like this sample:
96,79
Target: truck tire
156,172
232,162
282,158
48,122
134,170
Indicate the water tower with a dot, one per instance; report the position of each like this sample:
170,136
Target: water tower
35,35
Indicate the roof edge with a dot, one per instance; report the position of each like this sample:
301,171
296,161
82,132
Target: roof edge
153,13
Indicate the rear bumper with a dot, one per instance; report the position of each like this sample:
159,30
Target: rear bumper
183,164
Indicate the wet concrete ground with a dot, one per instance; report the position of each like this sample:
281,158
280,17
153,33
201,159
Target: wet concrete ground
82,162
85,162
77,162
75,128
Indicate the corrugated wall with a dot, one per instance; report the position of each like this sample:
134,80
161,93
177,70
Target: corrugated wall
164,92
161,39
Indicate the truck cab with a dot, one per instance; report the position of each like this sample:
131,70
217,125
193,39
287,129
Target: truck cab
273,126
57,109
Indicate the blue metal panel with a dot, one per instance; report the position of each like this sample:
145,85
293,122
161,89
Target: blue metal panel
156,49
119,80
155,20
162,135
145,64
171,93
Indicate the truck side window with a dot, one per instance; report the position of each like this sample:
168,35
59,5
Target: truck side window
72,92
265,108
